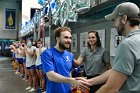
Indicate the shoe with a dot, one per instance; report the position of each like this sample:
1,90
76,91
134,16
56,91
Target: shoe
28,88
21,75
32,90
17,73
44,92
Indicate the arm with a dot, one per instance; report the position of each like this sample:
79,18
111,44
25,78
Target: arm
19,51
34,54
40,50
81,58
48,67
100,79
113,84
106,60
30,53
52,76
13,48
108,66
79,61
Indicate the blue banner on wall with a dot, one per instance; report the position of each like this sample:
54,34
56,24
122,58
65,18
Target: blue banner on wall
10,18
41,2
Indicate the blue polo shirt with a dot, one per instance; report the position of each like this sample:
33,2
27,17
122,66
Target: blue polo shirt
59,62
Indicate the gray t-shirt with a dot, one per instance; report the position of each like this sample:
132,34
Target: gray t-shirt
94,62
127,61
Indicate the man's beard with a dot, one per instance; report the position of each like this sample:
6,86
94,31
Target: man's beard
120,30
62,46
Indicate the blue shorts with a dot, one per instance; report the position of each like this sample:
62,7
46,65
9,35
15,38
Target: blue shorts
24,60
31,67
20,60
39,67
13,55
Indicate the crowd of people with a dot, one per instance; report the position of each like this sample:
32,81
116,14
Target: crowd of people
27,55
101,75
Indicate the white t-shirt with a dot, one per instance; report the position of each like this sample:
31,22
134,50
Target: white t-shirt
19,55
38,59
30,60
16,56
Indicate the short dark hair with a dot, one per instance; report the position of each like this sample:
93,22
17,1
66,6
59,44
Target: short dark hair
58,31
22,41
39,40
98,42
134,21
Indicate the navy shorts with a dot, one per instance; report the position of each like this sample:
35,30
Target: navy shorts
16,59
31,67
39,67
20,60
24,60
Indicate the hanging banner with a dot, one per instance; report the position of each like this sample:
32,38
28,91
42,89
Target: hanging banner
41,2
10,18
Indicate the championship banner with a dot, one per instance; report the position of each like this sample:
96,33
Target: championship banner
10,18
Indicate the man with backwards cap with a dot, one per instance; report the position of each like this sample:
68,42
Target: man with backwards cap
124,77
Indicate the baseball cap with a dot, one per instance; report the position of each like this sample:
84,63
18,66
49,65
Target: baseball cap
126,8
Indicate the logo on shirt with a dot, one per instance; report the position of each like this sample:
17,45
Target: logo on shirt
67,58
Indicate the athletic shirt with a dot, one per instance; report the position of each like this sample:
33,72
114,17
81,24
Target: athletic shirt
38,59
59,62
30,60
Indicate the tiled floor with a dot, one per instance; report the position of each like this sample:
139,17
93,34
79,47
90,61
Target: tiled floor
9,82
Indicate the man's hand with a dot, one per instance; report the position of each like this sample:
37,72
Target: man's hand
80,83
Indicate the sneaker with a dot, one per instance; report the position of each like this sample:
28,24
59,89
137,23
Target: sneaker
28,88
21,75
32,90
17,73
44,92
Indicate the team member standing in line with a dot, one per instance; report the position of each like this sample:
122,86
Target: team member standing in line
30,64
38,63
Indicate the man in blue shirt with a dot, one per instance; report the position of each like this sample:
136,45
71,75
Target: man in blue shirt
57,64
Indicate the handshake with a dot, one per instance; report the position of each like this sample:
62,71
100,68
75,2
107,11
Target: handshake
80,85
